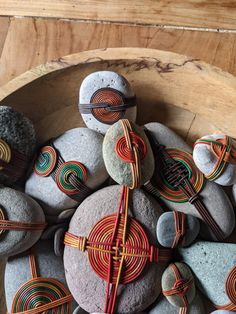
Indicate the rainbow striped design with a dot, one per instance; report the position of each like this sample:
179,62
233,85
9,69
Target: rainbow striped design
46,161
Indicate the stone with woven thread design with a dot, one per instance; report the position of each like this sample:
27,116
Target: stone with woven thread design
109,88
211,194
76,145
215,156
87,287
17,207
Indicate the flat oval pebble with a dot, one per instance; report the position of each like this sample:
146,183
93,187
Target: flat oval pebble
212,195
162,306
169,280
79,144
59,241
18,269
205,160
104,79
19,207
211,262
166,230
79,310
222,312
86,287
119,170
18,132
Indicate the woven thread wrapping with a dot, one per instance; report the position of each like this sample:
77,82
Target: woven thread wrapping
225,153
179,219
70,176
118,249
107,105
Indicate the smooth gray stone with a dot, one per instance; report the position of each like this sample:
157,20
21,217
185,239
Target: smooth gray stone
59,241
119,170
79,310
205,160
212,195
134,297
168,281
18,132
65,214
79,144
211,262
166,230
50,231
162,306
18,206
103,79
18,269
222,312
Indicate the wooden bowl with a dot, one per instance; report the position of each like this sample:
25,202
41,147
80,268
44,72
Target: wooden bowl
186,94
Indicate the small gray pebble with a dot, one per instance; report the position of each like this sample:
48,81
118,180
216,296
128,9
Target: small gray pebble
59,241
222,312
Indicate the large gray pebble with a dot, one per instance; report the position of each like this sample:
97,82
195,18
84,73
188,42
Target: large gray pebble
162,306
87,288
206,160
18,206
211,263
119,170
18,269
166,232
79,144
212,195
103,79
18,132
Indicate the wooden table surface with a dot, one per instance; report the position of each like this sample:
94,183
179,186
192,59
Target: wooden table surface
33,32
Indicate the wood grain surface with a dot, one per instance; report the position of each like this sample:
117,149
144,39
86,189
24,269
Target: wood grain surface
196,13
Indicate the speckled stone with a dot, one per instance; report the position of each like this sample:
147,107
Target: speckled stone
119,170
18,269
211,262
18,206
168,281
79,144
222,312
166,230
162,306
18,131
103,79
206,160
212,195
134,297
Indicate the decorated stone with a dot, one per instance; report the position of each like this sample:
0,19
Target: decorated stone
106,97
36,280
180,186
22,222
162,306
117,225
127,154
17,144
178,285
215,157
175,229
67,170
214,265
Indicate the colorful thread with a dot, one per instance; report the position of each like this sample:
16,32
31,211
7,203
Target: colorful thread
179,219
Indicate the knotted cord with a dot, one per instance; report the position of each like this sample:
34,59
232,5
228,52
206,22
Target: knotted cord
12,163
108,105
69,176
180,288
224,151
177,183
131,148
179,219
118,249
41,295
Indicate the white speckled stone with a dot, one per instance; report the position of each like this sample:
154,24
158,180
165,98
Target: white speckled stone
213,196
102,79
162,306
166,230
205,160
86,287
18,206
211,262
18,269
79,144
119,170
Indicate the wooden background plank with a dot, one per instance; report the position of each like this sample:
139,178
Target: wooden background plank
192,13
30,42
